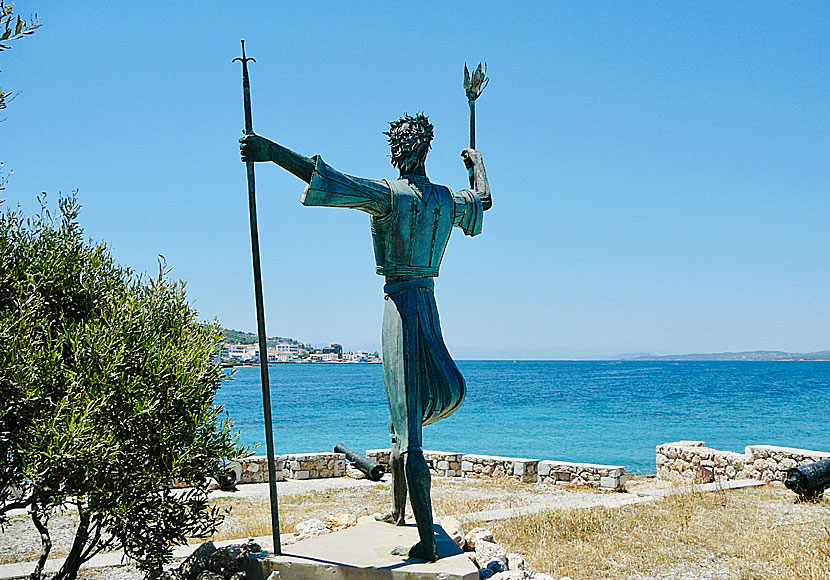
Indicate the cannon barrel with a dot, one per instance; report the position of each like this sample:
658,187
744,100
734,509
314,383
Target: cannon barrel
810,480
372,469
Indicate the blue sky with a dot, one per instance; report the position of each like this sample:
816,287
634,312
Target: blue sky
660,172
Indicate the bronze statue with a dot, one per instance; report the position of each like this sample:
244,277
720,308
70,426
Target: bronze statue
411,222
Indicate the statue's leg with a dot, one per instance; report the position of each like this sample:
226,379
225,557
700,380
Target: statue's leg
396,465
419,482
398,486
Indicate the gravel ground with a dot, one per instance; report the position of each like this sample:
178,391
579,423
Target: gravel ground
126,572
19,541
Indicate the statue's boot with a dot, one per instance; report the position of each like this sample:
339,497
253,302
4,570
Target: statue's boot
396,465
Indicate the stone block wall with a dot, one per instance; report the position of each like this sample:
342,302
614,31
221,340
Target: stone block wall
380,455
604,476
524,470
443,463
314,465
449,464
770,463
254,469
692,461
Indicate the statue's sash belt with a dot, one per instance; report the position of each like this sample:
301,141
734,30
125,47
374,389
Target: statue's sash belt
389,269
395,286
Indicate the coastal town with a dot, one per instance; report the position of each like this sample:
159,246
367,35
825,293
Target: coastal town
243,350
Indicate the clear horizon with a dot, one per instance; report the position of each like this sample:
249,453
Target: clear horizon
659,173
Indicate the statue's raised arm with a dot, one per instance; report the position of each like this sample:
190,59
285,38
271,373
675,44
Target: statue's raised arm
255,148
326,186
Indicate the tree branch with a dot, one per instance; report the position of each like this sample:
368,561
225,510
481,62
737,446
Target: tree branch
45,541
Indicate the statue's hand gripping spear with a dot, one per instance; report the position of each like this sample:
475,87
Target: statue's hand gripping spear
474,85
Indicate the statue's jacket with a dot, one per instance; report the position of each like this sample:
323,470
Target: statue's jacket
412,218
411,223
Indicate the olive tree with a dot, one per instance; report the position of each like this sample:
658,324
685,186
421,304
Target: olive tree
107,381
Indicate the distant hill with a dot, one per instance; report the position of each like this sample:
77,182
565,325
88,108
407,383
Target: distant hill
748,355
240,337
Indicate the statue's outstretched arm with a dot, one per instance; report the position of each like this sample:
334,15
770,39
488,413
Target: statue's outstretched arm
472,159
255,148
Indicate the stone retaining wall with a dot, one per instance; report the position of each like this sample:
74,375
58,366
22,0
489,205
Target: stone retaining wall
314,465
254,469
381,456
692,461
606,476
525,470
450,464
443,463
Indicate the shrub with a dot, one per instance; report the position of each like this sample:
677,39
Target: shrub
107,381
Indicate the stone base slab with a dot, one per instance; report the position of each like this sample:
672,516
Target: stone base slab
364,552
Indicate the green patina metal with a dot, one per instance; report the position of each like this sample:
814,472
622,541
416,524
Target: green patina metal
260,310
411,222
473,87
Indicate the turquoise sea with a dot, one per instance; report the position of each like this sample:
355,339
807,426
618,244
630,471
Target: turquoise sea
589,411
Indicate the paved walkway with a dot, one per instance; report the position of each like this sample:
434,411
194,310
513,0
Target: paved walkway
570,500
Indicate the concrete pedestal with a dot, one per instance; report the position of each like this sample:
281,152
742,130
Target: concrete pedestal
364,552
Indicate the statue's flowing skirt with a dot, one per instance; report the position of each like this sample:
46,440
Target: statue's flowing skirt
423,384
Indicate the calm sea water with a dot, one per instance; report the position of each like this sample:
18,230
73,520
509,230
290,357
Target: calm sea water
599,412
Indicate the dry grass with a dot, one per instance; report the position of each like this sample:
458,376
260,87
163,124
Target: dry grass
251,517
457,497
750,534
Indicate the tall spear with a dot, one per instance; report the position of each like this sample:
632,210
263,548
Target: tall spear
260,312
474,86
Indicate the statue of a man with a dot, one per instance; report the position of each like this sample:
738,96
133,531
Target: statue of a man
411,222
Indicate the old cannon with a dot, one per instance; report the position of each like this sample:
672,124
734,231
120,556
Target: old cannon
809,481
372,469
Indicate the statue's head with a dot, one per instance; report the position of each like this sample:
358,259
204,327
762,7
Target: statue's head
409,140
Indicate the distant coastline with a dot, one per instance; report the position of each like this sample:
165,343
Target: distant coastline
753,355
304,353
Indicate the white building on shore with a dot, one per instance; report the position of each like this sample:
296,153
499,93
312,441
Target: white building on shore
286,352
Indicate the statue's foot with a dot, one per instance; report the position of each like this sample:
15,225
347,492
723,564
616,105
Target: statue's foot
391,519
419,552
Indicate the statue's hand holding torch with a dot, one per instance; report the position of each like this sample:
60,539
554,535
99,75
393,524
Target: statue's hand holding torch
471,158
